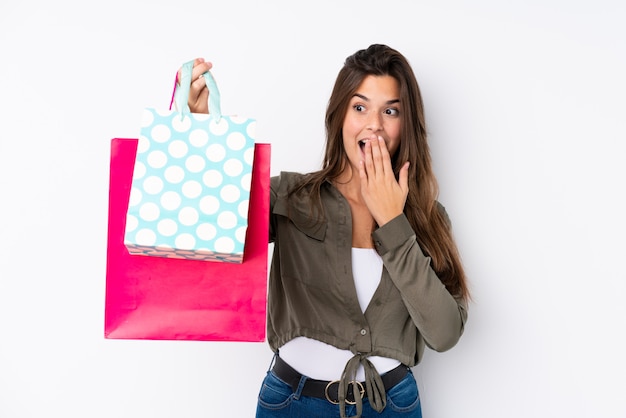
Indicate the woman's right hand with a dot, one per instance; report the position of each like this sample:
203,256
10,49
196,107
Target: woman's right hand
198,91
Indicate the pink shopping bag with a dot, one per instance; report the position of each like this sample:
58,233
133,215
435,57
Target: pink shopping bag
179,299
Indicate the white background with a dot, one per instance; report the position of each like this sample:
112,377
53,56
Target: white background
526,108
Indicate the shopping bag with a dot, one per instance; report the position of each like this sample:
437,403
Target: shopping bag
180,299
191,181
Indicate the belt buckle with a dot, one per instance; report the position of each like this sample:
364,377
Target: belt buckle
349,402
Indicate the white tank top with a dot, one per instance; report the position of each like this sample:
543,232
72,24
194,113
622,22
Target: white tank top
322,361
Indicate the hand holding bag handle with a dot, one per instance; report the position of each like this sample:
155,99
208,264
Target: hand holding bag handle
181,95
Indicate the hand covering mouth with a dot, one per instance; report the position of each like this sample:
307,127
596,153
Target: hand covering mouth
364,141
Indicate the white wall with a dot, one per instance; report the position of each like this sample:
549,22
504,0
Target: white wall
526,106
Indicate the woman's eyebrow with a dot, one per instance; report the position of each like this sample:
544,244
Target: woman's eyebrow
365,98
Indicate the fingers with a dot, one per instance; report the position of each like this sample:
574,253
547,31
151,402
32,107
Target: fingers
384,196
194,75
196,86
200,66
377,164
198,92
197,81
368,162
377,158
380,153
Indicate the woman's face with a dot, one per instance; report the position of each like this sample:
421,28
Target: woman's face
374,110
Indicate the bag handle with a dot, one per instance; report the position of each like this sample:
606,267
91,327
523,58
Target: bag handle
181,95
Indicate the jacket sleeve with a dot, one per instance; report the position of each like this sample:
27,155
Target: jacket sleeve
439,317
274,190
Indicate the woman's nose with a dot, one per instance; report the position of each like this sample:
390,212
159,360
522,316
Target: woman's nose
374,122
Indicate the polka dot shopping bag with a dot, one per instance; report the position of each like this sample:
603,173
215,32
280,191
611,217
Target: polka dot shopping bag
191,181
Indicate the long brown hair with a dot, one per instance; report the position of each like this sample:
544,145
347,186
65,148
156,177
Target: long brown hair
431,227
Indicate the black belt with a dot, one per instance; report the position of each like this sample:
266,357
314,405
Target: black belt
329,390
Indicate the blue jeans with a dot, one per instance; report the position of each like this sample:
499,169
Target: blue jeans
278,400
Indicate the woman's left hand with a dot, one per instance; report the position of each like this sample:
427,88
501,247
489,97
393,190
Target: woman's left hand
383,194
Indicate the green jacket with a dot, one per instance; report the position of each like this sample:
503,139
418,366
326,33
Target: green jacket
312,291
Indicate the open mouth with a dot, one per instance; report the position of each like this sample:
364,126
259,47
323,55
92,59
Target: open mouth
362,143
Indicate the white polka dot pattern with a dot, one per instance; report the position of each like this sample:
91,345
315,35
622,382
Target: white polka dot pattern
191,187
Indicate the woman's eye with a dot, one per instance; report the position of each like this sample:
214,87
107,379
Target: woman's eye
359,108
392,112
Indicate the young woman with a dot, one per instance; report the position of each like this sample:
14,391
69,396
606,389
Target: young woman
365,270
